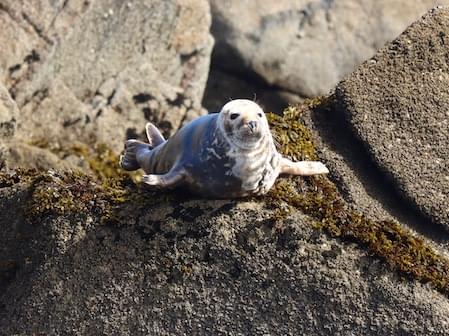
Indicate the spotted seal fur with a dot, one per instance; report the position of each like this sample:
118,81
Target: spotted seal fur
220,155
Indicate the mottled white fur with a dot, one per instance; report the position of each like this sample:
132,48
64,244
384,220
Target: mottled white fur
241,124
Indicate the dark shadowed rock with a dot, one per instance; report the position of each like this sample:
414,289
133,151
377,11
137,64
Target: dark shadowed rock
306,46
397,103
222,87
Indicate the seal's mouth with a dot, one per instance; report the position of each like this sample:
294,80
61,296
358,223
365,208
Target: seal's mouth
250,132
246,135
247,138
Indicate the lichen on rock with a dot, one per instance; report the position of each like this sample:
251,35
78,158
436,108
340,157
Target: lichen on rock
158,248
319,198
112,195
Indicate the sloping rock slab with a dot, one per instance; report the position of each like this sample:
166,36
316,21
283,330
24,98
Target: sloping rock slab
398,104
195,267
306,46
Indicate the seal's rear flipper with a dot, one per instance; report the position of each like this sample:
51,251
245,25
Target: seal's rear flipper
154,136
128,160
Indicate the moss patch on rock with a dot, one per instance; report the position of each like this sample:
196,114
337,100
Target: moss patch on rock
319,198
291,135
112,194
109,194
56,194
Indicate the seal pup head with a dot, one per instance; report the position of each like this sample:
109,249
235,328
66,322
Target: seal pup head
243,123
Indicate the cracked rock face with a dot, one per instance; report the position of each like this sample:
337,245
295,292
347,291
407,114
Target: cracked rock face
306,46
96,71
397,103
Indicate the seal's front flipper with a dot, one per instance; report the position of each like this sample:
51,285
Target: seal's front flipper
170,180
128,160
304,168
154,136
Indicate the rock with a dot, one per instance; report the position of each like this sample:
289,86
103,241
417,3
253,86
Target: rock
188,267
21,155
88,255
397,105
222,86
306,46
8,114
96,71
8,117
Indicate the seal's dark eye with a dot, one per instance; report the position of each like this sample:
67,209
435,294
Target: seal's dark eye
259,114
234,116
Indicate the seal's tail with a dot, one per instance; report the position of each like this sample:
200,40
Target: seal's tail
128,160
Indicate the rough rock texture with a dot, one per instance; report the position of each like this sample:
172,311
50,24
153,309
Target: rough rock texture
306,46
94,71
20,154
192,267
84,255
397,104
8,118
8,114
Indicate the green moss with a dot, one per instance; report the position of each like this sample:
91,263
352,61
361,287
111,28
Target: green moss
291,136
61,193
19,175
101,159
319,198
7,180
112,193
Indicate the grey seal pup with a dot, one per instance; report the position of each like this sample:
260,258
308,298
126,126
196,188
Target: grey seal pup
221,155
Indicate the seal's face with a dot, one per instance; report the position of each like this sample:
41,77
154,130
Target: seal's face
243,123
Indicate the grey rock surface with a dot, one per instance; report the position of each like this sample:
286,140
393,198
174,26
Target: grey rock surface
397,105
73,264
20,154
8,118
8,114
95,71
196,267
306,46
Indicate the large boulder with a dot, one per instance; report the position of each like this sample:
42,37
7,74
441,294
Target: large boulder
306,46
96,71
79,258
397,104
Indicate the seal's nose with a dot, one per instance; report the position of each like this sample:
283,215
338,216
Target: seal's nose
252,125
